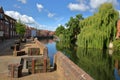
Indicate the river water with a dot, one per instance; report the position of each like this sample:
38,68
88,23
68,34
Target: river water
100,64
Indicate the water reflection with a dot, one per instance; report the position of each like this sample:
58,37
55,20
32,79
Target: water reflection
117,70
116,57
46,41
97,63
51,45
100,64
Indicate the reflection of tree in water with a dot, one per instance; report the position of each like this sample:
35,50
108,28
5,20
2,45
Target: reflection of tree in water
68,50
98,63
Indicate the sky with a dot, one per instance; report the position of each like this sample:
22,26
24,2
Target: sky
49,14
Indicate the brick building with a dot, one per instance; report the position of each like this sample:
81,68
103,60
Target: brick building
118,29
28,31
7,25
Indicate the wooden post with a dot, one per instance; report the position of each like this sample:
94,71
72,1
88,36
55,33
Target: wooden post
55,62
30,51
33,66
12,71
45,65
45,52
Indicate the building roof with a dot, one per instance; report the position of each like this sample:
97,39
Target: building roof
1,9
10,17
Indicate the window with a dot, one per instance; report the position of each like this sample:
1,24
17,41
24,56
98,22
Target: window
1,16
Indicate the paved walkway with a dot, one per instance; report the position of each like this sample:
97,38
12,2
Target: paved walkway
6,58
5,46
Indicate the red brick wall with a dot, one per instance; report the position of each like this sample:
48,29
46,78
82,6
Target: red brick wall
118,29
68,69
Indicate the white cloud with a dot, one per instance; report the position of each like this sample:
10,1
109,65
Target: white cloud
78,7
23,1
28,20
96,3
39,6
16,6
83,5
24,18
50,15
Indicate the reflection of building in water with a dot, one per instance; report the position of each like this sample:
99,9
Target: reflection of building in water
117,70
117,64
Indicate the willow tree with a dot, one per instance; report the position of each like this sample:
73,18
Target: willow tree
98,30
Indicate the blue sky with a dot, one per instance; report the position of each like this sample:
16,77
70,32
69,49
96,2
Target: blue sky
48,14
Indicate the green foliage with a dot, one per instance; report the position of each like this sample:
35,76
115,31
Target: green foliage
96,62
20,28
59,30
98,30
116,44
72,30
116,55
69,34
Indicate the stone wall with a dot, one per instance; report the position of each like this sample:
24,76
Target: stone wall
69,70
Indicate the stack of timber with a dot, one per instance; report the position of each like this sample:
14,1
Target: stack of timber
38,65
33,51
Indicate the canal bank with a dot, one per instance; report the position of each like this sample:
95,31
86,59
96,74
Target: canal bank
63,65
100,64
54,75
69,70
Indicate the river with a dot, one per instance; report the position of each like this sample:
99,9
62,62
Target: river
100,64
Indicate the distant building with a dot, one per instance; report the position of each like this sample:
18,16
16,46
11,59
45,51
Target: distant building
118,29
33,32
7,25
27,31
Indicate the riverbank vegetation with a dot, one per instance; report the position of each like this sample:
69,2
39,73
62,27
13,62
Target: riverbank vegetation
93,32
